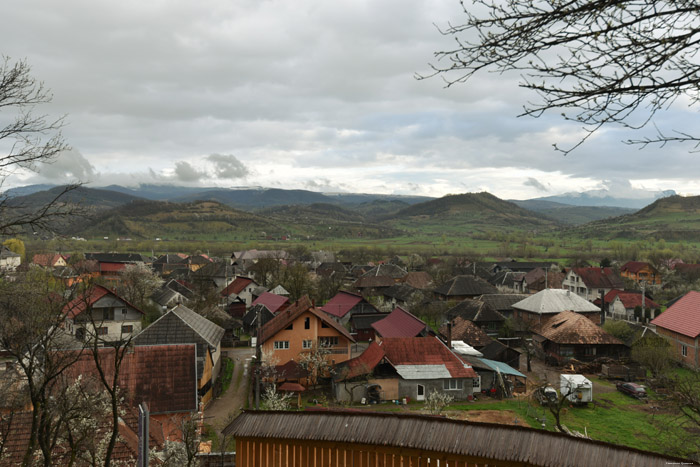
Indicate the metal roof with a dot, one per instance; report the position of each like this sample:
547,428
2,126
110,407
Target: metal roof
514,444
423,371
555,301
502,367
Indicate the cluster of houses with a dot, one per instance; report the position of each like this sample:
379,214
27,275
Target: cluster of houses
370,333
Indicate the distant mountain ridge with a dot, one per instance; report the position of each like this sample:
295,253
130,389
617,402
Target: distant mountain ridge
605,198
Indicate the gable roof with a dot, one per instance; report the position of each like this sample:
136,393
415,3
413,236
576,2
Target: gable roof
628,299
601,278
683,316
418,279
465,285
550,301
236,286
82,303
399,323
47,259
341,303
373,281
163,376
183,326
272,302
116,257
401,291
568,327
284,318
636,266
408,354
386,270
475,311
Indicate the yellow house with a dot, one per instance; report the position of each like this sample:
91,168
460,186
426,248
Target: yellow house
640,271
295,331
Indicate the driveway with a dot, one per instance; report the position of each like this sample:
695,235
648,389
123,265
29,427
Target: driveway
233,400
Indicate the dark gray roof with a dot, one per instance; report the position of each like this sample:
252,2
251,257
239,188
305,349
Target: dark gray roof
183,326
502,302
475,311
116,257
386,270
400,291
482,443
465,286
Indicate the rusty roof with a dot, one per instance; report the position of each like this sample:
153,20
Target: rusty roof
430,351
488,442
363,364
568,327
418,279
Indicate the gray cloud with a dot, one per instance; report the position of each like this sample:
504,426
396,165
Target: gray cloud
228,166
184,172
533,182
69,166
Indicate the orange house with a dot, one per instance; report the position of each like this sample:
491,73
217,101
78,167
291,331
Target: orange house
296,330
640,271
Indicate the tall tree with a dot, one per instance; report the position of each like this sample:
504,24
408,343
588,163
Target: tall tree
599,62
20,94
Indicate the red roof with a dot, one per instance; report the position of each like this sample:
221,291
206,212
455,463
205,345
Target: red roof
399,323
291,387
628,299
683,317
636,266
47,260
341,303
112,267
164,376
271,301
80,304
235,287
425,351
603,278
362,364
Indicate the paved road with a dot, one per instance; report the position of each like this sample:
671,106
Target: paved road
218,411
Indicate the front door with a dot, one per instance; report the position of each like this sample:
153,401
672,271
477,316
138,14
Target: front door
420,393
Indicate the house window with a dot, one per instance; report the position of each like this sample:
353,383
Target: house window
566,351
102,331
281,345
452,384
307,344
684,350
476,382
328,341
589,351
307,323
127,329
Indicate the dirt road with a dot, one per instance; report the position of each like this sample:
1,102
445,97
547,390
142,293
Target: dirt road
217,412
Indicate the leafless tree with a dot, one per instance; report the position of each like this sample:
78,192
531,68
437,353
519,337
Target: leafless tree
25,130
604,62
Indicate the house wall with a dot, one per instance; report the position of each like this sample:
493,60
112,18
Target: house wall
692,357
645,274
409,388
574,283
207,379
298,334
584,352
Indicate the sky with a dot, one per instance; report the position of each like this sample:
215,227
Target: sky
308,94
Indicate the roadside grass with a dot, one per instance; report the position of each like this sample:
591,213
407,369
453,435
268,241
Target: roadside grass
226,375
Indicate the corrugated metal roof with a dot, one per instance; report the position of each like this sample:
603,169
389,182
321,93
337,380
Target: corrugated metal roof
424,351
502,367
555,301
423,371
514,444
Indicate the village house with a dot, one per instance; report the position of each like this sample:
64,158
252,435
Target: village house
183,326
302,327
399,323
621,304
240,290
640,271
592,283
539,308
680,324
502,302
480,313
101,313
570,335
49,260
407,367
345,304
9,260
463,287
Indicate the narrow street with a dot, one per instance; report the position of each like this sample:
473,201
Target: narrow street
233,400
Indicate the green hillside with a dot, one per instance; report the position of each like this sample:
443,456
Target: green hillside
672,218
475,212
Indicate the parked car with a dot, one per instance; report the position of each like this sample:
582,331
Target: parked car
632,389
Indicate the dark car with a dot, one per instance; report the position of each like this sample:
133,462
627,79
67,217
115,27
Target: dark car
632,389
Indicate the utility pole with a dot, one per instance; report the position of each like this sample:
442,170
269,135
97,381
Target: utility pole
257,361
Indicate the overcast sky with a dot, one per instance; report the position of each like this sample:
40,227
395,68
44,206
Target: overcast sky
308,94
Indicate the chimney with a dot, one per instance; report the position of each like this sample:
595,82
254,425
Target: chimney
449,334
